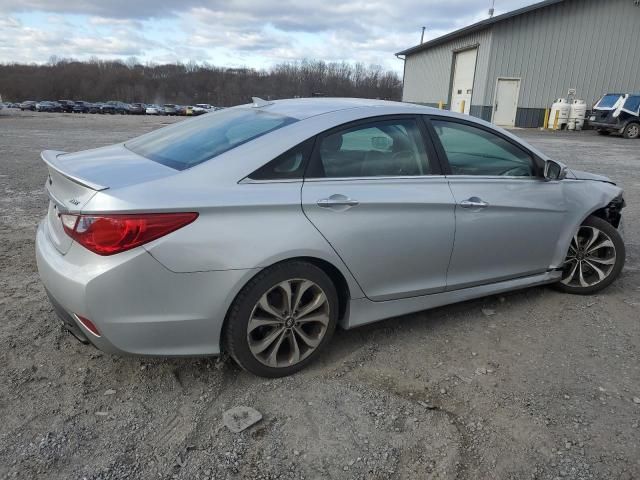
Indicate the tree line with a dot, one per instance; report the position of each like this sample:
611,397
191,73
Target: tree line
131,81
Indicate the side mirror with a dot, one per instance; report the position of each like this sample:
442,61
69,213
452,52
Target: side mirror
554,170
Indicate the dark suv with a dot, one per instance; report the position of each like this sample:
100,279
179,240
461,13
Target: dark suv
617,113
67,105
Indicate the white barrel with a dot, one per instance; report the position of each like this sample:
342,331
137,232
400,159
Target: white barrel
578,112
560,110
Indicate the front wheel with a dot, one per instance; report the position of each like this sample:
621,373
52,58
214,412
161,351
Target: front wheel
595,258
282,319
632,131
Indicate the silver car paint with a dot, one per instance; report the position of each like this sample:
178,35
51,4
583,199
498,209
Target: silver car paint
171,296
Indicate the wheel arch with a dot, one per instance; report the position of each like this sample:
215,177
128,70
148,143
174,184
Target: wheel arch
344,289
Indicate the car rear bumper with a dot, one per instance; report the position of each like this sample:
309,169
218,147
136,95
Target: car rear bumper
614,127
138,305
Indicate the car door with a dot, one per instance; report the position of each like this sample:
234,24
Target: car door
374,190
508,218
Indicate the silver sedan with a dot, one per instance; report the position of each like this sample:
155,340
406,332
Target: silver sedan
258,229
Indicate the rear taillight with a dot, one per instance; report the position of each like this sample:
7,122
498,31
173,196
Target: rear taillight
111,234
89,325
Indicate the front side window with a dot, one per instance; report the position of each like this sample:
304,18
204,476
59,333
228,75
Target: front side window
186,144
474,151
387,148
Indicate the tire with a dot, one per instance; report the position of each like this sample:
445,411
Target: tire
632,131
282,334
603,132
597,261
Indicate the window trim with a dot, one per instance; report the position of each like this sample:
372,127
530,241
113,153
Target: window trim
307,145
434,163
538,163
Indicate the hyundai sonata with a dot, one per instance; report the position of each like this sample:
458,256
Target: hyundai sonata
258,229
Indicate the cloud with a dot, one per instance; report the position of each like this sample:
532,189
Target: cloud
238,32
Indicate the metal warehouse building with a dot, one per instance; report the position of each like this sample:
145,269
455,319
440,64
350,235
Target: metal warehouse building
509,68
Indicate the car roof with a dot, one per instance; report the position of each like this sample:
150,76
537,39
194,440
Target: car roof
302,108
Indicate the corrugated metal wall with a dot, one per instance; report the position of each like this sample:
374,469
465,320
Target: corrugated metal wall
590,45
427,75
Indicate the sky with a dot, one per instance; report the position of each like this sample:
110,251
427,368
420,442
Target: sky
230,33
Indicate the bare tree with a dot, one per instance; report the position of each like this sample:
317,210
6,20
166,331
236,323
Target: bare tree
131,81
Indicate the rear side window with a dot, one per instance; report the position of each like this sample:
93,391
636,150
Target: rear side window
385,148
290,165
475,151
188,143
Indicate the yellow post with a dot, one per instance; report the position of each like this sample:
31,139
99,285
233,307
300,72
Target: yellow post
546,118
441,105
462,105
555,120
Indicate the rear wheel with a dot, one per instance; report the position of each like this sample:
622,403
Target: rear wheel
595,258
282,319
632,131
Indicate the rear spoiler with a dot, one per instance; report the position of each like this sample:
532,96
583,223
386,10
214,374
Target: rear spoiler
50,157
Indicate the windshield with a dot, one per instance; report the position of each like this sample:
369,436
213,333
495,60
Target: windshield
186,144
608,101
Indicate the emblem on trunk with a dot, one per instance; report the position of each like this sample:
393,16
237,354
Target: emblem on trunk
74,201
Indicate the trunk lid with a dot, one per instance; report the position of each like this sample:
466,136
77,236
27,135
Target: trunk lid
74,178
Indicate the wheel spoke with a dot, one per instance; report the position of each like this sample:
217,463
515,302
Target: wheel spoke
311,342
261,345
572,274
319,318
583,282
272,358
256,322
313,305
287,296
302,287
600,273
295,349
595,234
268,308
605,243
602,261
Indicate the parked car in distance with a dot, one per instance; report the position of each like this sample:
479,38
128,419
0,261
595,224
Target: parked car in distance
95,107
107,107
137,108
28,105
201,108
81,107
153,110
118,107
617,113
66,105
170,109
47,106
257,229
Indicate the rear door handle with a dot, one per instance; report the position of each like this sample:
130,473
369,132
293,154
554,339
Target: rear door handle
474,202
337,201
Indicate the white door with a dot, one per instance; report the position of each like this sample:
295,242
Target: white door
464,71
506,104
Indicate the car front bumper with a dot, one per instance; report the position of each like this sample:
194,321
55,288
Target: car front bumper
138,305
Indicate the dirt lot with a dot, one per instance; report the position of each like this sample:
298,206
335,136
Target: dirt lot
543,388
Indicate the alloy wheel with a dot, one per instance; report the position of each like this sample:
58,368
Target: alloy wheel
633,131
591,258
288,323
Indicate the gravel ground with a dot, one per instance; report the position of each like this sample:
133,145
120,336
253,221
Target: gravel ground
542,388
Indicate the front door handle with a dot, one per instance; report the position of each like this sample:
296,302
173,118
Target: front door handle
337,201
474,202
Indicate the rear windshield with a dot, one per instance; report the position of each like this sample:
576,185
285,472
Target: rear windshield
608,101
194,141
